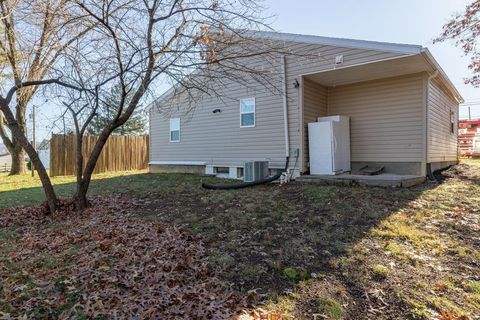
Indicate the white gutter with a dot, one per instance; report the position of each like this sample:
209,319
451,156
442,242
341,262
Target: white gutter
285,106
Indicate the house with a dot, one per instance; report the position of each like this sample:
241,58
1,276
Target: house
402,107
5,162
469,138
5,159
43,151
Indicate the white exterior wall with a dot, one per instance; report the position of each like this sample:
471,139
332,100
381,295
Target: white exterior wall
44,156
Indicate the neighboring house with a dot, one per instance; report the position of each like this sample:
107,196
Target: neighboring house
5,159
5,162
403,112
3,149
469,138
43,151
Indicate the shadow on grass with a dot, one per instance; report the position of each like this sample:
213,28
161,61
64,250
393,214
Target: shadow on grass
332,243
266,237
139,185
272,236
253,234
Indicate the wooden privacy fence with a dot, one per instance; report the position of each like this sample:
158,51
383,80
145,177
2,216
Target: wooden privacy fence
120,153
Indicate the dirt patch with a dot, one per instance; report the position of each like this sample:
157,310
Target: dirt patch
325,297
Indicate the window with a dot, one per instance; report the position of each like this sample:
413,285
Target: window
452,122
247,113
224,170
175,130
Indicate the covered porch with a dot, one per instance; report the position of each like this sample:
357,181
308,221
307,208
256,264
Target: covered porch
385,102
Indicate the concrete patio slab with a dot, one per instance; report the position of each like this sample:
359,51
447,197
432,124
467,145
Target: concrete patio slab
380,180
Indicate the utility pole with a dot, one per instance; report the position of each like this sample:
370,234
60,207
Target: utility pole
469,115
33,139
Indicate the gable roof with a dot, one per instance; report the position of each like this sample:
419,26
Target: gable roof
44,145
340,42
406,49
403,49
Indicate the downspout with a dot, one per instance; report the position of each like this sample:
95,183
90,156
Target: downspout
429,168
287,144
285,107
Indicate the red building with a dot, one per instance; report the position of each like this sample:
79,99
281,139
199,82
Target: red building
469,138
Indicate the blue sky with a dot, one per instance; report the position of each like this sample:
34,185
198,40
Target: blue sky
407,21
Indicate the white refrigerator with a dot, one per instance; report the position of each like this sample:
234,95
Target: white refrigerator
329,145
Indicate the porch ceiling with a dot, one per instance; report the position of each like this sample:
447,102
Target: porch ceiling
372,71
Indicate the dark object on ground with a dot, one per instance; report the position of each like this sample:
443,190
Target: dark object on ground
449,172
244,184
371,171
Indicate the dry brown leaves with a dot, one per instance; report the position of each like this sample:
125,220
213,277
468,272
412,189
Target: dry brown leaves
103,263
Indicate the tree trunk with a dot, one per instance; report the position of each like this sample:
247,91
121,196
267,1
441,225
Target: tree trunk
80,198
19,134
44,178
18,154
42,172
18,159
14,148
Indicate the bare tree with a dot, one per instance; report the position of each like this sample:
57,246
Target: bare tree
464,29
195,45
190,44
19,134
33,35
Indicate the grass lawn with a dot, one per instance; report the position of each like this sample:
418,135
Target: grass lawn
343,252
25,190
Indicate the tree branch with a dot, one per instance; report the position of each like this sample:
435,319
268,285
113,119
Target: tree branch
25,84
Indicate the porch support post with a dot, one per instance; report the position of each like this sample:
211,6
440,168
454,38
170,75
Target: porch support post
300,91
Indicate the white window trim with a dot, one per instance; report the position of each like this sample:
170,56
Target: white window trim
179,130
254,113
179,162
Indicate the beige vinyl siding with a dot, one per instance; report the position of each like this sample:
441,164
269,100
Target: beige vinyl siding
314,106
442,143
314,101
217,139
386,118
310,59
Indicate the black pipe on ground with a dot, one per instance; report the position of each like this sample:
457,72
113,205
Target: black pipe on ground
430,173
244,184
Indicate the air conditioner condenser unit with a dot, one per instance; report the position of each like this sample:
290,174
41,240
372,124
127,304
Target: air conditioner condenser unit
255,171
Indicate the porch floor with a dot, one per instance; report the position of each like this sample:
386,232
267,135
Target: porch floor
380,180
